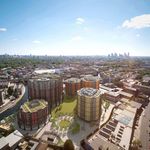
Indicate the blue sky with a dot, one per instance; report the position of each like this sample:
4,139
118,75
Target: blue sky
75,27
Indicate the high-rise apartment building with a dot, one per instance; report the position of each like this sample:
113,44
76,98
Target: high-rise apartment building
72,85
49,88
89,104
90,81
32,114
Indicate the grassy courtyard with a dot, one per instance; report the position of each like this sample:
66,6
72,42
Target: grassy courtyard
66,108
64,123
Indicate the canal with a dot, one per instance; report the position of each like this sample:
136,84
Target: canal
16,107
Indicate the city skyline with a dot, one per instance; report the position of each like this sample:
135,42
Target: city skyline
80,27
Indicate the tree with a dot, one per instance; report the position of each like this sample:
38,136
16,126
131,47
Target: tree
68,145
10,91
136,144
15,94
106,105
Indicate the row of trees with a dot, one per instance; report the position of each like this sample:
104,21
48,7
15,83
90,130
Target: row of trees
18,62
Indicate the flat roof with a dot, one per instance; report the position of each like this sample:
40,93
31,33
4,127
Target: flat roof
130,88
89,92
125,94
14,137
3,142
135,104
126,116
114,94
44,77
125,100
73,80
105,88
97,141
122,132
34,105
41,71
90,78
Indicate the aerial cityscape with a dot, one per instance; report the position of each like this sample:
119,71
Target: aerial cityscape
74,75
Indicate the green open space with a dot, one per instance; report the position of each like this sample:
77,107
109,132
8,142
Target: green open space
75,128
29,108
66,108
64,123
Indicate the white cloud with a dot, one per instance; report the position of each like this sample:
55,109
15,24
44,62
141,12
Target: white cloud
3,29
137,22
86,29
138,35
36,42
77,38
15,39
80,20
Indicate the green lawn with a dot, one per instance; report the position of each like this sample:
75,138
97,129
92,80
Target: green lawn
75,128
64,123
67,107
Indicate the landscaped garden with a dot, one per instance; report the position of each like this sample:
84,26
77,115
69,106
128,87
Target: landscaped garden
62,117
64,123
66,108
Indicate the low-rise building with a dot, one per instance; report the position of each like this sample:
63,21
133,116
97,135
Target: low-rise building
116,134
11,141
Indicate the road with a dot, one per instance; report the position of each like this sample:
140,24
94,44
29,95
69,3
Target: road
12,108
144,129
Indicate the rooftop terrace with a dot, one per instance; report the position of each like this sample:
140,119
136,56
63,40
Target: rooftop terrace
34,105
73,80
90,78
89,92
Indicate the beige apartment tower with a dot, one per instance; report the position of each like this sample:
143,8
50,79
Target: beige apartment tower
89,104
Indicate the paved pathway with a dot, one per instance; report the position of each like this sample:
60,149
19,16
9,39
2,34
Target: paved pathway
106,114
143,130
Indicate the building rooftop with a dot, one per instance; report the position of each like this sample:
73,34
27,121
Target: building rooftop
98,141
135,104
13,138
73,80
114,94
3,142
44,77
90,78
130,88
105,88
126,94
89,92
34,105
42,71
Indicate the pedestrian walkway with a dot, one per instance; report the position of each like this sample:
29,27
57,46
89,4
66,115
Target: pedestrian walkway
106,114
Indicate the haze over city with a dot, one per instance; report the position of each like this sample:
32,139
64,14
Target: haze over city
74,27
74,75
